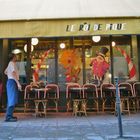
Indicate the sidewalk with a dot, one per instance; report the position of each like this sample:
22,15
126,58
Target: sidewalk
64,126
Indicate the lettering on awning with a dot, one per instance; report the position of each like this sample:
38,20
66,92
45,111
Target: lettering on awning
85,27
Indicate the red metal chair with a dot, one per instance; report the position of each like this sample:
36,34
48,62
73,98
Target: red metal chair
127,97
107,91
90,93
136,89
72,93
29,97
52,94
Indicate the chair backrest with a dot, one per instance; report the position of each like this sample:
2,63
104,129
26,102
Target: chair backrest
53,87
136,89
106,87
26,91
69,86
128,89
29,92
90,88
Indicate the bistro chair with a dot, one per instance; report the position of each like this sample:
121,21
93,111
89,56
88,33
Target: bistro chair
107,91
52,94
90,92
29,97
127,97
40,102
136,89
73,91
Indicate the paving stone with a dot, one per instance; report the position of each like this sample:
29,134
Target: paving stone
126,137
93,137
29,139
67,127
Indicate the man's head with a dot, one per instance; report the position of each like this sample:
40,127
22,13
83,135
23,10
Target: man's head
12,57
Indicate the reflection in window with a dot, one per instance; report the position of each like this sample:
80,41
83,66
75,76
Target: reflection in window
120,64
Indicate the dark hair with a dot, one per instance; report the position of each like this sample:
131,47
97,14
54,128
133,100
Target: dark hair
11,56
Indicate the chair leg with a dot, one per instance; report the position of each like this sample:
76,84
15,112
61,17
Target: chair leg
68,105
75,107
134,105
44,107
25,106
36,108
125,107
56,104
103,105
97,105
137,104
128,106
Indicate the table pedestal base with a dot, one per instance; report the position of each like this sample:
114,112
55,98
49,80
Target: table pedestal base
37,111
79,107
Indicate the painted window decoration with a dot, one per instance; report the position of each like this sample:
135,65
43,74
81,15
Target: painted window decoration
99,65
70,59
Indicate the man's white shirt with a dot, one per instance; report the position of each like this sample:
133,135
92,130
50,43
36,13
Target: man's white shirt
10,69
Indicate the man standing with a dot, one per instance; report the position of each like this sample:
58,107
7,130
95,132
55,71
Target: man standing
13,86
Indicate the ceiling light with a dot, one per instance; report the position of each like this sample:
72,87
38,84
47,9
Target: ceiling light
113,43
16,51
96,38
34,41
62,45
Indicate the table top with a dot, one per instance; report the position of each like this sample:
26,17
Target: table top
40,89
114,88
131,81
78,88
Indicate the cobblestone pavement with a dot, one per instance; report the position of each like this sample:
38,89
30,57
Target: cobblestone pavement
64,126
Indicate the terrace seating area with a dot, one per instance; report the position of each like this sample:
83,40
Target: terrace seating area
81,99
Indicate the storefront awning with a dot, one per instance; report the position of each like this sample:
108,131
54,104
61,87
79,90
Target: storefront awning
55,18
56,9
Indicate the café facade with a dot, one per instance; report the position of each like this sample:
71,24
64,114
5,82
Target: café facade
65,31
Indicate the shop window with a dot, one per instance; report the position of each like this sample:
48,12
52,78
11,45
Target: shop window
120,63
41,58
44,60
122,52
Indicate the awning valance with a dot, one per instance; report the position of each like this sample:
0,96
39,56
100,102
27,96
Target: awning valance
69,27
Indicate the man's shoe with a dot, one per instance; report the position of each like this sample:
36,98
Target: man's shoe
14,117
11,120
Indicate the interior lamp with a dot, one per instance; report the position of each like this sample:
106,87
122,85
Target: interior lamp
25,48
113,43
34,41
96,38
62,45
16,51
